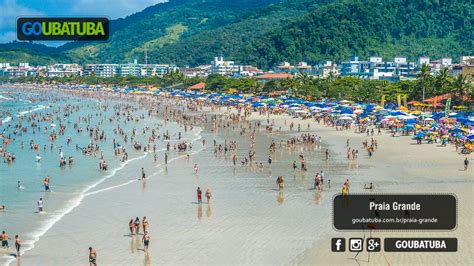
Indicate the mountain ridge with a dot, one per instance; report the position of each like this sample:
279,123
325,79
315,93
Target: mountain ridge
266,32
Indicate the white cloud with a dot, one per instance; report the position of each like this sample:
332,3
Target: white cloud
111,8
9,11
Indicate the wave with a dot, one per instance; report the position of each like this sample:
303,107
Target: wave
22,113
4,98
36,108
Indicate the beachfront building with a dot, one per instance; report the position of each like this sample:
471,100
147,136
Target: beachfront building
100,70
424,60
247,71
376,68
199,71
64,70
22,70
327,69
301,67
221,67
438,64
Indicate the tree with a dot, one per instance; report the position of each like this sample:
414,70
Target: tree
442,81
424,78
461,87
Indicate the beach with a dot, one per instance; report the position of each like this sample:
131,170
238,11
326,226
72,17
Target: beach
248,220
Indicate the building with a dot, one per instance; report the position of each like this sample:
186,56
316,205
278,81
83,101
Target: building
466,60
378,69
423,61
22,70
221,67
200,71
327,69
301,67
100,70
355,68
64,70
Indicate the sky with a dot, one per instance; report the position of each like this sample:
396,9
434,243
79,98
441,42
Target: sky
11,9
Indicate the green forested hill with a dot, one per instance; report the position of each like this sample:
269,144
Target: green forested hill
266,32
387,28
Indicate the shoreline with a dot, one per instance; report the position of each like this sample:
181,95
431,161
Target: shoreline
391,155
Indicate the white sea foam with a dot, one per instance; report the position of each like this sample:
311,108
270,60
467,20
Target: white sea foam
4,98
36,108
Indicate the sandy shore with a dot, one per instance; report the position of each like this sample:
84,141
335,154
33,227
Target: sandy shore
252,223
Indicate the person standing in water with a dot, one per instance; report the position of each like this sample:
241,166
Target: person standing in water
131,226
40,205
17,245
199,195
5,238
145,224
92,257
46,184
208,196
195,168
143,174
146,241
137,225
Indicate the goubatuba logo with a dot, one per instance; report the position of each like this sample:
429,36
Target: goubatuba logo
62,29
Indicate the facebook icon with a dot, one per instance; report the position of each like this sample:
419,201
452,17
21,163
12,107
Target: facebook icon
338,244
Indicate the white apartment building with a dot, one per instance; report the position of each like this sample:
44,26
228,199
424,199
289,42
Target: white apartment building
100,70
221,67
64,70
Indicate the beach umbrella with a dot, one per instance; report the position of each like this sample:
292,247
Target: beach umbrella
456,130
420,135
345,118
471,137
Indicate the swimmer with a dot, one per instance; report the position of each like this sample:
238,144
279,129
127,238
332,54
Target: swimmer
38,158
370,186
3,207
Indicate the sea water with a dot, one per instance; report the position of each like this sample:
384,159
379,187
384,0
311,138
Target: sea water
71,183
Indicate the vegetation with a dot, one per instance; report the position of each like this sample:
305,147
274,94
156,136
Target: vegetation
348,88
266,32
386,28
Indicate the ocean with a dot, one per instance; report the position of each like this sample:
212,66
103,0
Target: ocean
71,183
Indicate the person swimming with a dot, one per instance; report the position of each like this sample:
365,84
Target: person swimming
370,186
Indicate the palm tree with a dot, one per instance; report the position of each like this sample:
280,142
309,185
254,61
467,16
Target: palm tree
461,87
290,83
424,76
442,80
